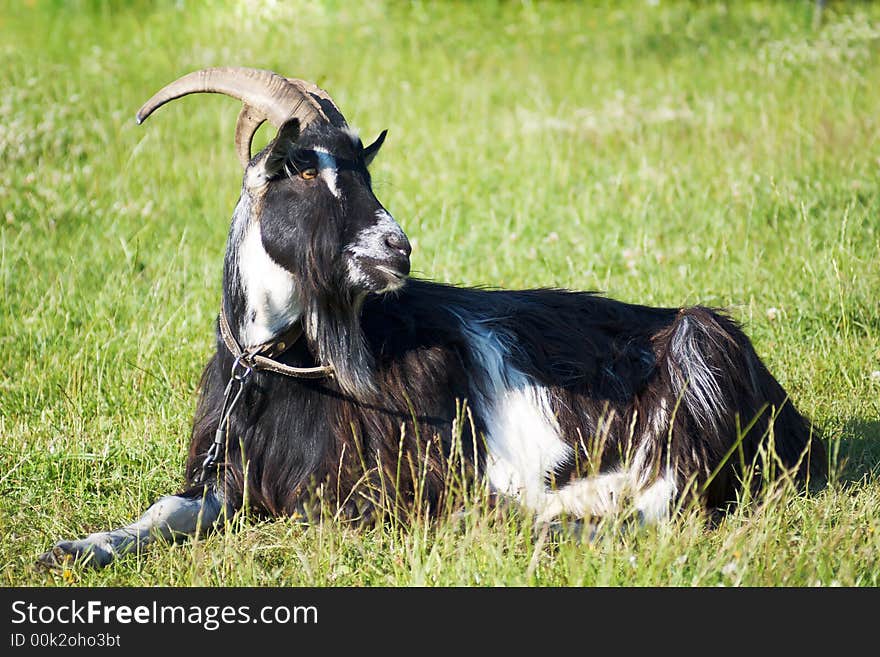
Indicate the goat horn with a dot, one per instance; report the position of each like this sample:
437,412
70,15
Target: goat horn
267,96
249,119
323,99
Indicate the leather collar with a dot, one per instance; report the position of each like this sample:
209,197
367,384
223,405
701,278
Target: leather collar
261,357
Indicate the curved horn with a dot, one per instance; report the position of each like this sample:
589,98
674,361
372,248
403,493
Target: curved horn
249,119
323,99
267,97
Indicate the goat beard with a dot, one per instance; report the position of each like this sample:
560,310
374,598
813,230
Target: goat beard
334,330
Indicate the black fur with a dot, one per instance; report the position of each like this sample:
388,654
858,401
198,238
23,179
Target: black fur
602,361
424,372
685,385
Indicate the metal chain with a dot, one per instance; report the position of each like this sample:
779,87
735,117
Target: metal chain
239,375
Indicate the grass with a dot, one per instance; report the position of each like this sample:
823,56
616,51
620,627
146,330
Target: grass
665,153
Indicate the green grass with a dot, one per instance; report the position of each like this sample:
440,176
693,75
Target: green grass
672,154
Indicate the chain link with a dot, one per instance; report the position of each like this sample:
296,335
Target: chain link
240,374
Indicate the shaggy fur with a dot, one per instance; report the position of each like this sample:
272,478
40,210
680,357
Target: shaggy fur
566,402
676,386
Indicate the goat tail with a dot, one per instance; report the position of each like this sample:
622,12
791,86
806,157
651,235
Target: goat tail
730,411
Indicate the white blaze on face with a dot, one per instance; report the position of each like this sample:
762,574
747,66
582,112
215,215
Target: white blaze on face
327,170
370,242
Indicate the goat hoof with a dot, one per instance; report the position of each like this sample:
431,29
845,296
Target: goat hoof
55,559
66,554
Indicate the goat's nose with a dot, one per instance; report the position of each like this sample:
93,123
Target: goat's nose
398,242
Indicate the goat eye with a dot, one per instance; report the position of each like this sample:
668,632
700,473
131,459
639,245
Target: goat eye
308,174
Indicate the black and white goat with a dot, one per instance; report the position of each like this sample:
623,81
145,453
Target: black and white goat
330,371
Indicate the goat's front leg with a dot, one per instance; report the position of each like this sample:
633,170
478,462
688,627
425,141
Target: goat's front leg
173,517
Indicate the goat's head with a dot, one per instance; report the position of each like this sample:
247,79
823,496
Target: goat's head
307,196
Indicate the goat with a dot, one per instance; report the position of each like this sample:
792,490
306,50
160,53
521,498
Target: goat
332,368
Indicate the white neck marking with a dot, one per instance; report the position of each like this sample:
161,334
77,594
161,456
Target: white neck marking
269,291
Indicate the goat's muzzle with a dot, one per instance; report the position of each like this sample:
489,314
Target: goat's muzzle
399,250
394,266
380,256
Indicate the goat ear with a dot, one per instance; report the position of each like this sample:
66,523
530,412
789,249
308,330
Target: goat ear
371,150
280,146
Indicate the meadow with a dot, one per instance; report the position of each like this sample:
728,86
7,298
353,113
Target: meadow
663,153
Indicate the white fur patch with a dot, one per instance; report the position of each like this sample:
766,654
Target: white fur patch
269,290
353,135
660,419
598,495
610,493
370,243
701,387
524,446
523,443
327,170
654,503
255,176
